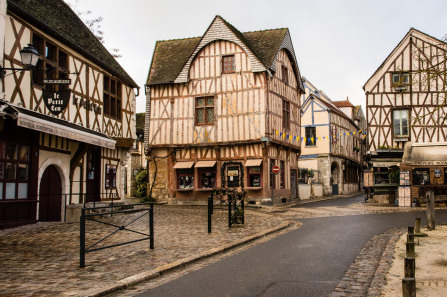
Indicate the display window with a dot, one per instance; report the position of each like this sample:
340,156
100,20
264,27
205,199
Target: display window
254,176
207,177
185,179
421,176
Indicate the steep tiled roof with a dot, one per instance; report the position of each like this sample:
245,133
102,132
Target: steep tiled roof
171,55
56,18
344,103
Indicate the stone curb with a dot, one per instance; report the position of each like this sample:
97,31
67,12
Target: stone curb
154,273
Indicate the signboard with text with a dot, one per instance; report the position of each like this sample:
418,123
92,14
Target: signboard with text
56,102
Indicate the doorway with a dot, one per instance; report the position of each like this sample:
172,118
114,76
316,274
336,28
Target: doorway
93,174
334,178
293,182
50,195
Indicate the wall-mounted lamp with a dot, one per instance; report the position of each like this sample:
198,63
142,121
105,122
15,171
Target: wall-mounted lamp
29,56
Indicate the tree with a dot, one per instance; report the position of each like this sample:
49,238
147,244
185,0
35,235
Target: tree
93,23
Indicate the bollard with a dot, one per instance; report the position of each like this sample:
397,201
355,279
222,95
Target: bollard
410,250
410,230
409,267
431,211
229,209
417,226
210,212
408,287
151,226
82,239
410,237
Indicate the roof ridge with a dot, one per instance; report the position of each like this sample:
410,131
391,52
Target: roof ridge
178,39
266,30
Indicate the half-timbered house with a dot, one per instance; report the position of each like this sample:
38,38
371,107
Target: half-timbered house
67,125
331,143
405,102
224,98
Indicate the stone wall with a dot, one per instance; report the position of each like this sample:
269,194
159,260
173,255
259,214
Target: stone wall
160,190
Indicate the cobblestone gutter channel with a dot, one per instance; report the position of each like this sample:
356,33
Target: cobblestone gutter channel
366,275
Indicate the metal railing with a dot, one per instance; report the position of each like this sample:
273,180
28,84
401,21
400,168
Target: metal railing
147,209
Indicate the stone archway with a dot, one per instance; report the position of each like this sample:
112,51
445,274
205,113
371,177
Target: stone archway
335,177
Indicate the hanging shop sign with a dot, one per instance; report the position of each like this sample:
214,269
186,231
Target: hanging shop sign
56,102
87,104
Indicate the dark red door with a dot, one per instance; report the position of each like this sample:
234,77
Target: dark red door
50,195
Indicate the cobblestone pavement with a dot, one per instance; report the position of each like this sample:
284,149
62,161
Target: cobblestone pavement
43,259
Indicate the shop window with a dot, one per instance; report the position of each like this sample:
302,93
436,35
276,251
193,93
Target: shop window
112,97
421,176
207,177
110,176
185,178
204,111
254,176
400,122
228,64
282,172
14,171
311,136
381,176
52,64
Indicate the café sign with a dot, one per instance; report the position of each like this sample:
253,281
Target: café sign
56,102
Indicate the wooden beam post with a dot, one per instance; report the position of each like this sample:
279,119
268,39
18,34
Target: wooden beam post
431,210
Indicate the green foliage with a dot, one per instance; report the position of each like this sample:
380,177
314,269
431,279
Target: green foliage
394,176
141,184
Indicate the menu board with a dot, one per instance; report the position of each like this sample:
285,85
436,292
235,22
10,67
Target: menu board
405,178
368,178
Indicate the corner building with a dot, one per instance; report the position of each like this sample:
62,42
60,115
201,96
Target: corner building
224,97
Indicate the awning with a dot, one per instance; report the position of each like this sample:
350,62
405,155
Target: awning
425,154
183,165
205,164
54,126
385,164
253,162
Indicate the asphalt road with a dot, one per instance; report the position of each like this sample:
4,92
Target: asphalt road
308,261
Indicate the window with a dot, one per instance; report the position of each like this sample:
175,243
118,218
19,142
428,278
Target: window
207,177
285,74
421,176
52,64
228,64
205,111
254,176
311,134
400,81
282,172
110,176
445,176
400,122
185,178
285,114
14,171
112,98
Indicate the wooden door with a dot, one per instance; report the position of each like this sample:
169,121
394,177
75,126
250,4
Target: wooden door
50,195
293,182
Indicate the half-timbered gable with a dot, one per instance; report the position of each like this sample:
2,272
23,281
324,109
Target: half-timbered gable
79,105
331,143
222,98
405,102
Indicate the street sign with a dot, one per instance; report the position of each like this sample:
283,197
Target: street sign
275,169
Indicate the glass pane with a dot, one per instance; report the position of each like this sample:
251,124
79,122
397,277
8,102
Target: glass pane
23,191
2,150
405,78
200,116
22,172
1,191
10,191
23,153
396,127
113,89
2,170
106,83
200,102
11,151
404,114
209,101
396,78
10,171
396,114
210,115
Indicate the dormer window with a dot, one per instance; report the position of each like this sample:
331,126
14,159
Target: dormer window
400,81
228,64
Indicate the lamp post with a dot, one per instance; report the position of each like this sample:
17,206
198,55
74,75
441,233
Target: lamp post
29,56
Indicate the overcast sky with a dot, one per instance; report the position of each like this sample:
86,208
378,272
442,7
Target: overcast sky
338,43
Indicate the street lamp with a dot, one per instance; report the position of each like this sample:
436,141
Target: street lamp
29,56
